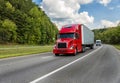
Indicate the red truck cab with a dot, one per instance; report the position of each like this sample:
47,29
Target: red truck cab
73,38
69,40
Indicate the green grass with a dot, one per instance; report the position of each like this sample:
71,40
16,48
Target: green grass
22,50
117,46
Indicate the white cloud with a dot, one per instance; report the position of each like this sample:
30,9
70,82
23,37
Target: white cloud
107,23
104,2
83,18
66,11
85,1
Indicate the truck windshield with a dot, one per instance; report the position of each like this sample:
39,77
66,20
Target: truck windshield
98,41
66,35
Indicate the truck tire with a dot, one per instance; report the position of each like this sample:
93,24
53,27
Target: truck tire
83,49
91,47
56,54
75,52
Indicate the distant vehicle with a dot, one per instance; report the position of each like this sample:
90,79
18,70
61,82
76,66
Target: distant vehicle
73,38
98,43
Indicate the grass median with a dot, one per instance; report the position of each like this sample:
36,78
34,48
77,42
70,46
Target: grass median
117,46
22,50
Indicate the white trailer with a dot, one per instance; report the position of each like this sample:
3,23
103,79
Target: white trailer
87,37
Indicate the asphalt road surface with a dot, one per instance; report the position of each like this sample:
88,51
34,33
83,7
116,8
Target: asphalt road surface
100,65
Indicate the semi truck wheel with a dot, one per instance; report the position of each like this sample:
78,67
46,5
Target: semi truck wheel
56,54
91,47
75,52
83,49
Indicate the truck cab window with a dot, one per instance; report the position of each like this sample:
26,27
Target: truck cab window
66,35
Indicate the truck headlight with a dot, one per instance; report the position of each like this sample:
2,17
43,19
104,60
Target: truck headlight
72,47
55,46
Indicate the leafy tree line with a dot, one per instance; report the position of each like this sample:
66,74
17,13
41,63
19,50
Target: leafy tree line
109,35
23,22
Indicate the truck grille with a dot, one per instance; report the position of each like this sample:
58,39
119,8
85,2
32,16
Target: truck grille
61,45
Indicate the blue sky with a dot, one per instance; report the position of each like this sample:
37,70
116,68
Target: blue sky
93,13
103,12
37,1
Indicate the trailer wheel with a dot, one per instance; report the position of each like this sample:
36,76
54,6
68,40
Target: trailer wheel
56,54
91,47
83,49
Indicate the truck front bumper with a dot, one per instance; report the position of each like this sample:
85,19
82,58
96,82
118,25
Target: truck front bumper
63,51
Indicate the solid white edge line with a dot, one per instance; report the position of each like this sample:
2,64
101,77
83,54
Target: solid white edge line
44,76
24,56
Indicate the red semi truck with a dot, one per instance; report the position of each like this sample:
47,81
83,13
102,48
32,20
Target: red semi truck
73,38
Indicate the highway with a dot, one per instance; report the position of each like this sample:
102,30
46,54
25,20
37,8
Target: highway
99,65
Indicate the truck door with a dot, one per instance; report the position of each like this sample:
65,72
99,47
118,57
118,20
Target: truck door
77,36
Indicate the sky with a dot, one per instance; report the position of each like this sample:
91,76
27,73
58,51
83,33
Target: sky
93,13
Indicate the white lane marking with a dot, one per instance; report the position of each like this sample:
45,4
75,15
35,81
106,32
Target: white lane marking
44,76
24,56
17,47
